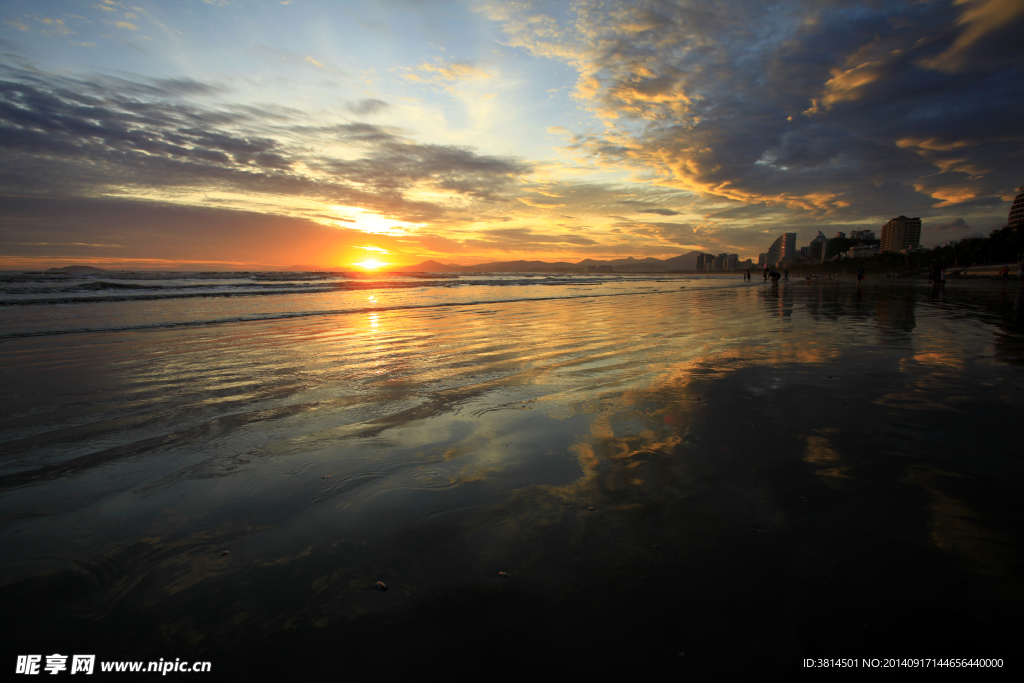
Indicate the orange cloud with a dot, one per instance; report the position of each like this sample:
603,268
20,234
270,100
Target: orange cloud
980,18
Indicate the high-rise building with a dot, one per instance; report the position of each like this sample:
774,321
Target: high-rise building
782,249
1016,218
901,233
762,260
816,250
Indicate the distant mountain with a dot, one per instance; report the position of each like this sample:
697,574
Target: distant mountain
682,262
76,269
519,266
628,264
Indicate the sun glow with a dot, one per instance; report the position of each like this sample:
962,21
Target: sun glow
370,264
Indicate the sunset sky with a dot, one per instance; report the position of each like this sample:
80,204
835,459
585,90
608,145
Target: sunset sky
222,134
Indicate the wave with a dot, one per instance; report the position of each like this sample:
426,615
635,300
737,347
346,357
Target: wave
311,314
41,296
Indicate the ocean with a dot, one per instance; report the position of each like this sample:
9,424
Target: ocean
326,476
53,303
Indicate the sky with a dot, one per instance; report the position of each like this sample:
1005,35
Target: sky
248,134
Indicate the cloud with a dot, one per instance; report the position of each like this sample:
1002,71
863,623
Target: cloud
538,205
85,136
454,71
525,236
446,75
55,27
367,107
710,97
662,212
986,26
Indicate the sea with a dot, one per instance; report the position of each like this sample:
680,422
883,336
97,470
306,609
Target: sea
333,476
56,303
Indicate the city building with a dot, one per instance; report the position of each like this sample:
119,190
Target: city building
840,235
1016,218
901,233
862,251
783,249
864,235
762,260
816,250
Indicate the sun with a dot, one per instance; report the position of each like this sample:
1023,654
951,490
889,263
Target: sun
370,264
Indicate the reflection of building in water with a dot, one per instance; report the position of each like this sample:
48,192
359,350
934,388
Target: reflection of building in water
901,233
894,316
778,300
782,249
1016,217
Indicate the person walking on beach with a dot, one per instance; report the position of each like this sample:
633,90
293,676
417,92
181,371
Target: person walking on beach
1004,274
785,275
746,275
860,275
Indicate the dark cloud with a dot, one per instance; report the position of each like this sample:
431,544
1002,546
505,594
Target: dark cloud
368,106
525,236
660,212
836,108
62,134
396,164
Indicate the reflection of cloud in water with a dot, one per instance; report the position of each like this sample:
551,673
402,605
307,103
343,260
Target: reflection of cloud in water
430,449
981,541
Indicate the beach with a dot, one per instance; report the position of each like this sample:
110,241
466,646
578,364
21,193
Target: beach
660,477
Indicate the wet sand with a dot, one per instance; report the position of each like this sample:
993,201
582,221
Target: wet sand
721,482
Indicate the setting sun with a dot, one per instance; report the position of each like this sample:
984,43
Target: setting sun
370,264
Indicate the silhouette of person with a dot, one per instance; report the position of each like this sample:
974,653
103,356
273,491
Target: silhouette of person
775,277
860,275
